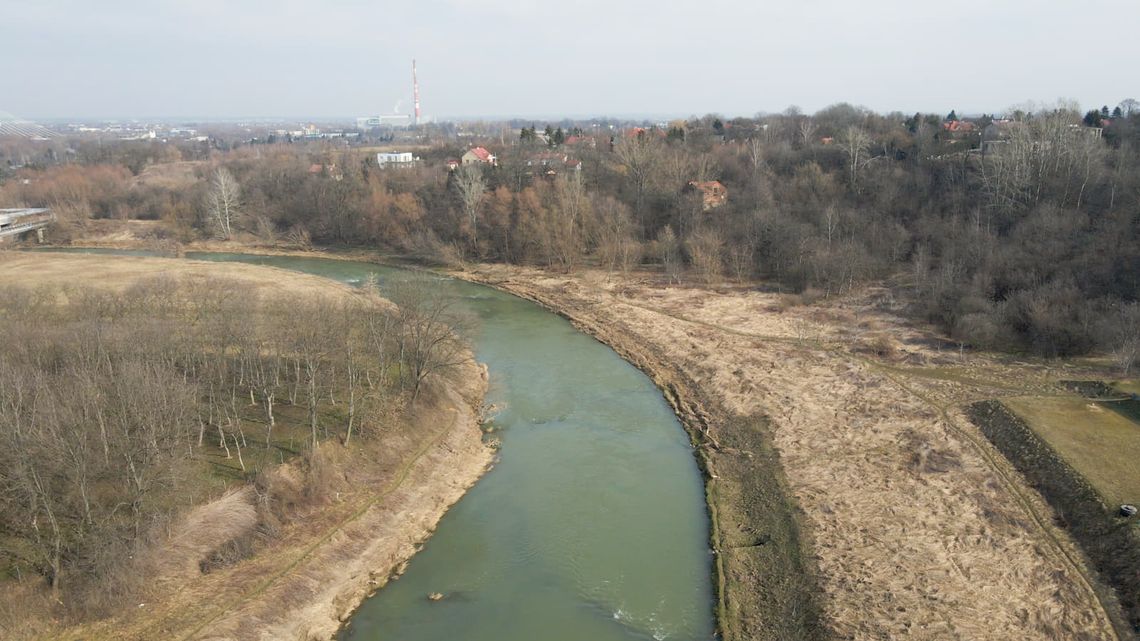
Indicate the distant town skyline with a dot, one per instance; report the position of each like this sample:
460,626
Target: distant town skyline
215,59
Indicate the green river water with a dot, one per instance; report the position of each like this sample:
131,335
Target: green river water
591,527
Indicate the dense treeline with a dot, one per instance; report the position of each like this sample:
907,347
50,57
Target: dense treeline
1018,233
112,406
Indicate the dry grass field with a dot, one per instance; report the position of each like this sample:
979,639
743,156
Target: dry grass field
172,175
119,272
1102,445
915,526
1128,386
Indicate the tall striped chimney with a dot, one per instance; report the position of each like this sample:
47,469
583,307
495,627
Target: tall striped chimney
416,91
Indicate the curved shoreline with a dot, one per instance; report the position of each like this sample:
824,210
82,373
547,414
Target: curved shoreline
862,501
327,577
841,436
735,599
698,415
410,507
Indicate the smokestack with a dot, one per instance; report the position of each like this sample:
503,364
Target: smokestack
416,91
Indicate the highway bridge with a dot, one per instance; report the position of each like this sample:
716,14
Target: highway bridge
16,222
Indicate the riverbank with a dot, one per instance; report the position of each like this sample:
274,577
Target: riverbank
764,577
912,524
1093,519
349,519
128,242
833,438
331,573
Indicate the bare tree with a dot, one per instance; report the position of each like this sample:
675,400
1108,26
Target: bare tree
265,378
102,396
755,151
740,258
471,186
298,236
806,132
562,232
705,249
675,168
617,247
426,322
1126,339
380,329
1042,153
830,220
640,155
669,250
705,168
855,143
223,202
312,342
355,340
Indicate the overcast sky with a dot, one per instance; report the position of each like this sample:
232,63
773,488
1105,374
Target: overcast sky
323,58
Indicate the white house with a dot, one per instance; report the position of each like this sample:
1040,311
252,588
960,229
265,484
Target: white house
384,159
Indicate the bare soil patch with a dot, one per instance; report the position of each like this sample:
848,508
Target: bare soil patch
171,175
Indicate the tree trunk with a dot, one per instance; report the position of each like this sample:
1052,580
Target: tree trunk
269,422
237,446
313,408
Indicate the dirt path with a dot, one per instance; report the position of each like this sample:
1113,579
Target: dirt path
916,526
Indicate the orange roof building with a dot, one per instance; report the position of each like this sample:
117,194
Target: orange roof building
713,193
478,155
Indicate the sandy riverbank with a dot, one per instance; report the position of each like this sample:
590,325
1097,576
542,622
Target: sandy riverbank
385,496
331,576
912,525
308,582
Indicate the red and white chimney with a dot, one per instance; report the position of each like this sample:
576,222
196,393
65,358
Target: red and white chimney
416,91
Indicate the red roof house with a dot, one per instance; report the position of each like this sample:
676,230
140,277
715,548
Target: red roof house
478,155
713,193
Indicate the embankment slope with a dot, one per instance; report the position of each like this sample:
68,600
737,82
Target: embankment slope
914,524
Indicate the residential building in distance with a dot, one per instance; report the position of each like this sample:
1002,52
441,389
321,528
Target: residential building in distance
478,155
395,159
582,141
330,170
713,193
959,126
551,162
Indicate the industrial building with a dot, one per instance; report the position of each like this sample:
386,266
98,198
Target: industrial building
397,120
395,159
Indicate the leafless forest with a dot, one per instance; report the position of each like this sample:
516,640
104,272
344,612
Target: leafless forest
121,408
1016,234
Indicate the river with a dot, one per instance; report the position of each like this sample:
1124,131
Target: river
592,525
